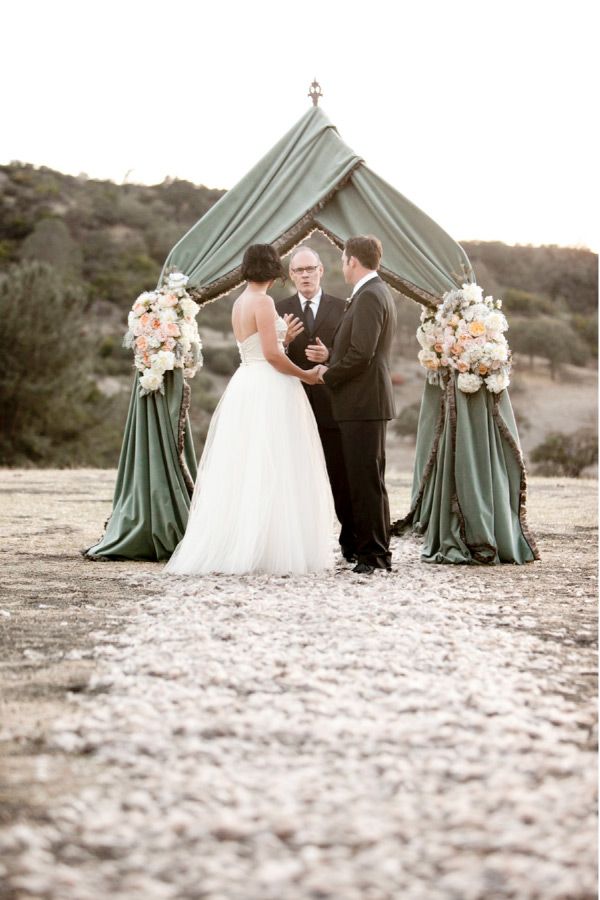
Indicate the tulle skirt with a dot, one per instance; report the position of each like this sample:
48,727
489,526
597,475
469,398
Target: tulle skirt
262,500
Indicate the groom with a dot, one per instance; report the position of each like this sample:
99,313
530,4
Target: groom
362,397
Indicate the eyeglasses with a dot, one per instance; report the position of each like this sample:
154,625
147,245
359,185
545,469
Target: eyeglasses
310,270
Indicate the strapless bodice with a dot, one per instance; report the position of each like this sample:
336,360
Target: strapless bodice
251,349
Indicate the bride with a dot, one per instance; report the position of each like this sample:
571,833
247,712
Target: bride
262,500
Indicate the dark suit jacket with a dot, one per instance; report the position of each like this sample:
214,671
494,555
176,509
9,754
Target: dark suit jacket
359,373
329,316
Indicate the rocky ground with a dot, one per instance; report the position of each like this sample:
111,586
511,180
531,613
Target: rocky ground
426,734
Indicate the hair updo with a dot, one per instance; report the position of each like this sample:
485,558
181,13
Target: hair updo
261,263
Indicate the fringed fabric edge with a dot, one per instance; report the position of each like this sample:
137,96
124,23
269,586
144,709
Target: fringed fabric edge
514,446
186,396
400,526
484,554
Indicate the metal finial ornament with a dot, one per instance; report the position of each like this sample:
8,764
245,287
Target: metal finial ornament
315,93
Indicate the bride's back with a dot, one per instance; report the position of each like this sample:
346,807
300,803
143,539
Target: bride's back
243,314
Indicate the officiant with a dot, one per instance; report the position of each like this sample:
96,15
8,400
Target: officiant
313,317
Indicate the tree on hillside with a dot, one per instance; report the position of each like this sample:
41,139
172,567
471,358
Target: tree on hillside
51,242
47,400
550,338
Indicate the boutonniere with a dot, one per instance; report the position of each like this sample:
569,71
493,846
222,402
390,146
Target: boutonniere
347,303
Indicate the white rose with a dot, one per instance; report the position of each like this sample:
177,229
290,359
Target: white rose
496,321
147,297
497,382
151,381
468,384
167,315
190,309
473,354
163,361
428,359
477,312
426,339
153,341
498,352
472,292
177,280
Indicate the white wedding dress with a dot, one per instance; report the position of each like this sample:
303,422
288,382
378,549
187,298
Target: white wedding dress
262,500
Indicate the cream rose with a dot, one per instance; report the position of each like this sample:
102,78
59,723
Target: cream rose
468,384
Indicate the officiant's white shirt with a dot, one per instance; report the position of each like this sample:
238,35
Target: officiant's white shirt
315,301
362,281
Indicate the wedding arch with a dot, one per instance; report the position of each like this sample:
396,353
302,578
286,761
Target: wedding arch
311,180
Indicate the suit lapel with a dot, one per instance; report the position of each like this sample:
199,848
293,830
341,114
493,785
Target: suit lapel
323,312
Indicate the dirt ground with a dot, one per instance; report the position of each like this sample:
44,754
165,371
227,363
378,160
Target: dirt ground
54,605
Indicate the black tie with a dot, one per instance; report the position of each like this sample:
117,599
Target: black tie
309,317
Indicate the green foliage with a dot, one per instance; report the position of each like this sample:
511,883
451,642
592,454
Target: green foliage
551,339
587,329
524,303
566,454
51,242
48,401
221,360
407,422
566,275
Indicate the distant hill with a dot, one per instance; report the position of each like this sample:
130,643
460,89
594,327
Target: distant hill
105,243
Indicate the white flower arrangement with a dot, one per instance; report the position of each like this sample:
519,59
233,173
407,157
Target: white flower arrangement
466,334
163,333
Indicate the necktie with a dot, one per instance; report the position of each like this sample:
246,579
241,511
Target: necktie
309,318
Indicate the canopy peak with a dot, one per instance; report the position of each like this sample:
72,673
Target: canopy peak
315,92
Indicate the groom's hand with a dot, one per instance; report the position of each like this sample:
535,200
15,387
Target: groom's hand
320,372
294,328
317,352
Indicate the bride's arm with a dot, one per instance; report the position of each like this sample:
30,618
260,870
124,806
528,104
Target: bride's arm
265,325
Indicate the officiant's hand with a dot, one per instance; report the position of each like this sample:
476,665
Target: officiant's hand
294,328
317,352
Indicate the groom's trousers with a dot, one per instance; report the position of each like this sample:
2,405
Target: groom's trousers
364,454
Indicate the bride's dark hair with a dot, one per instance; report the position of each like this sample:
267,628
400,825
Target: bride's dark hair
261,263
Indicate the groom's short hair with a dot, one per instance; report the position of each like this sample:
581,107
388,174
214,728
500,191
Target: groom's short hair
366,249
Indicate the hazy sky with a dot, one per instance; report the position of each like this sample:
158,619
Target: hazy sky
483,113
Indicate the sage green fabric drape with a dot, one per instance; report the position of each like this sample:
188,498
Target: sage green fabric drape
151,499
469,486
312,179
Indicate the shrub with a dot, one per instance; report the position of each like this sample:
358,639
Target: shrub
566,454
48,400
407,422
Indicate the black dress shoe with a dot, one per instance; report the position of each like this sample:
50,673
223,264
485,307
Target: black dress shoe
363,569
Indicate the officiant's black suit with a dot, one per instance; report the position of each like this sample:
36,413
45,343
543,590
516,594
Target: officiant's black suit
329,316
362,399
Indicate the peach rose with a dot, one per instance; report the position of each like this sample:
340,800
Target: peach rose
168,343
482,370
145,320
156,323
146,360
139,308
462,366
457,349
172,329
169,300
477,328
438,347
141,343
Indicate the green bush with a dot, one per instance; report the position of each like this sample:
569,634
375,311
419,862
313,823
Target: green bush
566,454
552,339
525,303
221,360
48,400
407,422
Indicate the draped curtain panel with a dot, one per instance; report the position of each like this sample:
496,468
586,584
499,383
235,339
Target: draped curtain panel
157,468
469,483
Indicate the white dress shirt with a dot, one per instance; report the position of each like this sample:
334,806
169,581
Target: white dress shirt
362,281
315,301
